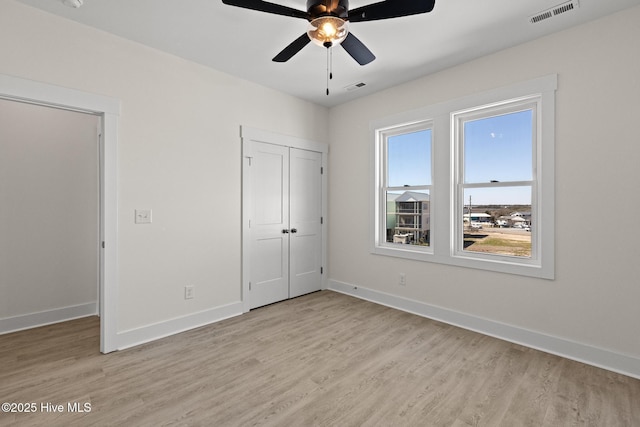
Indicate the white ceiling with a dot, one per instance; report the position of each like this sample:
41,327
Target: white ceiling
242,42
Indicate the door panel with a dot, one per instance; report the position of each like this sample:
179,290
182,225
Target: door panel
269,246
269,168
268,259
270,278
305,218
305,265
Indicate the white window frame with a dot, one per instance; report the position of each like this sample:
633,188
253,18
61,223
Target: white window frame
445,193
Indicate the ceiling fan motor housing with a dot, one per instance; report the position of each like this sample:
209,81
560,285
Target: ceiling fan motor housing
317,8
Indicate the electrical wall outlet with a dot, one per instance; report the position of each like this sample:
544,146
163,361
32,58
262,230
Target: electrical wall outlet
188,292
403,280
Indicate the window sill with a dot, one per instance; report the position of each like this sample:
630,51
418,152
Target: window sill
524,267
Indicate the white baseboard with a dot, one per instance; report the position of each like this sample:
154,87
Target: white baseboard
606,359
156,331
33,320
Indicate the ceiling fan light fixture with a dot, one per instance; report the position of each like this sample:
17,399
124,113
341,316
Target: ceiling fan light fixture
328,30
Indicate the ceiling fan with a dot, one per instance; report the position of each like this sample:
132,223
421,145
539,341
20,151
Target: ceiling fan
328,22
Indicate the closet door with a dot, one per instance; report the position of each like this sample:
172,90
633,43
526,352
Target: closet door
282,197
305,208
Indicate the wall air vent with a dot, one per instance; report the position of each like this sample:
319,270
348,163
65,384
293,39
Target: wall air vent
555,11
355,86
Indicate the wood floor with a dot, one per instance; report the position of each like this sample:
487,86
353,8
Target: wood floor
324,359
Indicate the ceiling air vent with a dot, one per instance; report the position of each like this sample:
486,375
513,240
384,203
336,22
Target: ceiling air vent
355,86
555,11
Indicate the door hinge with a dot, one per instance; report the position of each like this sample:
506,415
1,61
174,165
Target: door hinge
102,245
321,220
321,270
249,285
321,170
249,157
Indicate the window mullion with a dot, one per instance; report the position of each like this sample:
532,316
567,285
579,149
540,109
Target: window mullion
496,184
409,188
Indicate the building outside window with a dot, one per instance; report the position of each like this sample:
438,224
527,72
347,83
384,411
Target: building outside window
409,218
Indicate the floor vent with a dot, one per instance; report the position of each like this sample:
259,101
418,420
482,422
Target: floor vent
555,11
355,86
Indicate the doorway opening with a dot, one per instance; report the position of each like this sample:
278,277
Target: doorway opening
49,215
107,109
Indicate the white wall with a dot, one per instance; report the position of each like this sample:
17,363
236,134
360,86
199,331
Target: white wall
48,210
594,299
178,154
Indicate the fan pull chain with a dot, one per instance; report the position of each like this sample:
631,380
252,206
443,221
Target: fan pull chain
329,66
328,71
331,63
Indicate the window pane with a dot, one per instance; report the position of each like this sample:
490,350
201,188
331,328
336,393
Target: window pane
408,217
409,159
499,148
498,221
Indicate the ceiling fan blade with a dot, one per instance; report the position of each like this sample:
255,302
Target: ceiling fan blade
292,49
390,9
264,6
357,50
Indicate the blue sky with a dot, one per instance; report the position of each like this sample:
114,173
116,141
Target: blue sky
410,159
496,148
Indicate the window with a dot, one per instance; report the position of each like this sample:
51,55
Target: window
470,182
495,179
405,185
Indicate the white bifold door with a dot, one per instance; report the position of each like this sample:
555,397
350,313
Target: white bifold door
282,196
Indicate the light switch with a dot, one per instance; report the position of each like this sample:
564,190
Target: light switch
143,216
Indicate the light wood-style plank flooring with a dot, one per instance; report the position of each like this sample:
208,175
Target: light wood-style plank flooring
324,359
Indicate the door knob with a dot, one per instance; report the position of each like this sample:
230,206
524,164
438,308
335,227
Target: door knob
285,231
294,230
